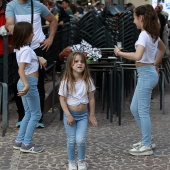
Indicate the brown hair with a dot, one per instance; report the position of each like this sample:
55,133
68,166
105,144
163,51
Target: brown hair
150,20
22,31
68,76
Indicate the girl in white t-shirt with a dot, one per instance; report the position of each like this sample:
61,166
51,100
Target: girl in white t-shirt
147,45
28,64
76,91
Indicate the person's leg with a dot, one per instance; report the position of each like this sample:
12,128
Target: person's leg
41,89
134,107
81,132
71,139
31,104
144,97
33,101
148,79
26,118
140,106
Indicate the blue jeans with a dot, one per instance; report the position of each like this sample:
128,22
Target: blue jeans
140,105
76,135
31,103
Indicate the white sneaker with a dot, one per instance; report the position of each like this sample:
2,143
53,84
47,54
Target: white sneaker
72,166
82,165
141,150
153,145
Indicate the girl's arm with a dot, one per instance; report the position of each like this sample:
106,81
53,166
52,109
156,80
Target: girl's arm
24,79
160,53
70,119
92,117
131,55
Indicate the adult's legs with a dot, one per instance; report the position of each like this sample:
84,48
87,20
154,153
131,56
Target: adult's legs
41,89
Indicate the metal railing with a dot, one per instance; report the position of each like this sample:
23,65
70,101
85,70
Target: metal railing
4,106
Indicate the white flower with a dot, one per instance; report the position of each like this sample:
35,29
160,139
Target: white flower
92,53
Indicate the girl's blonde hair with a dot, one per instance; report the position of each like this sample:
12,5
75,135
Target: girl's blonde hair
68,77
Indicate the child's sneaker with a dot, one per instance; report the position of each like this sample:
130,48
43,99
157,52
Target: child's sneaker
18,124
153,145
31,148
40,125
141,150
82,165
17,145
72,166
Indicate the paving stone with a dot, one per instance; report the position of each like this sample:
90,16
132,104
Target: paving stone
107,145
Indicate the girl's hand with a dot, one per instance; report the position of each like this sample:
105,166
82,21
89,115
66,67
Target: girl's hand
70,120
23,91
117,50
92,120
43,62
157,69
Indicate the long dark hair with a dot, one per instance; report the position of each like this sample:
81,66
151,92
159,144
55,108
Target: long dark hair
150,20
22,31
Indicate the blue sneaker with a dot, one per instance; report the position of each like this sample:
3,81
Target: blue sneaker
18,124
31,148
17,145
40,125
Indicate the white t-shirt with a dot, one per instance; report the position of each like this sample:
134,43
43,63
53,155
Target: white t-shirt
27,55
78,96
150,47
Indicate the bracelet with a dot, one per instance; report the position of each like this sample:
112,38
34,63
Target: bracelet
117,52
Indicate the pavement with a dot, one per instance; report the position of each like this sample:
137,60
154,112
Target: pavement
107,145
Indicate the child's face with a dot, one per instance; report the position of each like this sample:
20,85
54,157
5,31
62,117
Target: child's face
78,64
137,21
